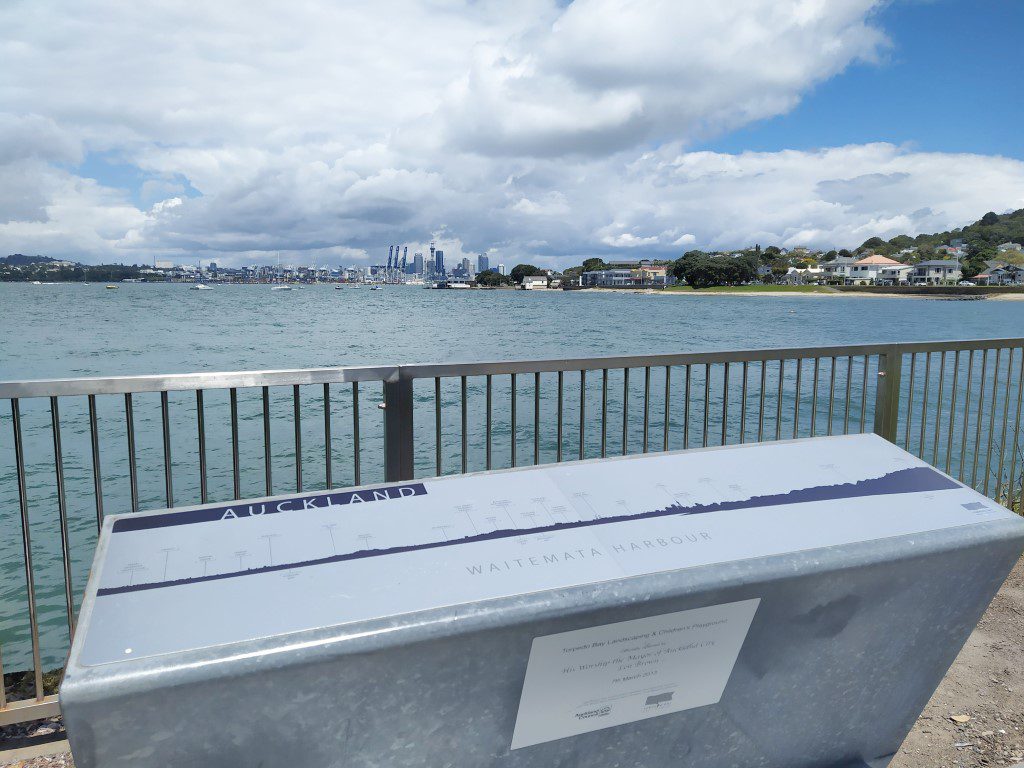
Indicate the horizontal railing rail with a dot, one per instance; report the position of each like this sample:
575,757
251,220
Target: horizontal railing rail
74,450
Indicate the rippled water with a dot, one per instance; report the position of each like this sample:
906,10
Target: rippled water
84,330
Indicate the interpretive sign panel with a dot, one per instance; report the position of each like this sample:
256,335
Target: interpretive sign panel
332,558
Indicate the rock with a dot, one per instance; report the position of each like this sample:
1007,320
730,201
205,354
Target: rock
960,718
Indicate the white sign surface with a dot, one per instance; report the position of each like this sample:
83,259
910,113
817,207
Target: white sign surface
201,577
595,678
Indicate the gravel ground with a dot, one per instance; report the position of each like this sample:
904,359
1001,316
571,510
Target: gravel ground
974,720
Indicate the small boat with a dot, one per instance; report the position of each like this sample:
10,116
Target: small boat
200,287
338,287
376,287
37,282
111,287
280,287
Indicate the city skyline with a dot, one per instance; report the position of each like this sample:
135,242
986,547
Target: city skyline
547,132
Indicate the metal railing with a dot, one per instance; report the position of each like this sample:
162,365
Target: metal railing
214,436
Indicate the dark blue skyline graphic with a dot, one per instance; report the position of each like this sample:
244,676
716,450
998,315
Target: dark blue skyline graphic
912,480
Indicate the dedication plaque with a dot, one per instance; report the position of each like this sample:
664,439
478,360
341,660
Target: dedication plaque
785,603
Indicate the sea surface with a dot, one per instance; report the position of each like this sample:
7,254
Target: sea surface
73,330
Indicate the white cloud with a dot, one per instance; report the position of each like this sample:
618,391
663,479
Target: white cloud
532,129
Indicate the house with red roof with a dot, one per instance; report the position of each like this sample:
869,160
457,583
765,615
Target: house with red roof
867,271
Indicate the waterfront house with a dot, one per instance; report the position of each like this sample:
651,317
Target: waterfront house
894,275
936,272
535,282
1000,273
837,270
866,271
800,276
627,273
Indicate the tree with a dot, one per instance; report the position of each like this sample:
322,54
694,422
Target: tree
519,271
491,279
700,270
593,265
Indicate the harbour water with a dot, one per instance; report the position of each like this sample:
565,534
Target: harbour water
72,330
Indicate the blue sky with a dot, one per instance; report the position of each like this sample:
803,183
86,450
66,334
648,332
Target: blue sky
951,82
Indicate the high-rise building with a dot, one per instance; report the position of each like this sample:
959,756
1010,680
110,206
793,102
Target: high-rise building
466,266
501,269
417,264
439,261
482,263
430,267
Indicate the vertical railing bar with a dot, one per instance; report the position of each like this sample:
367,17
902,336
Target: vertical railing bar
967,418
97,478
952,411
604,412
165,418
62,513
356,463
236,467
668,404
297,418
625,410
849,392
743,404
814,396
26,543
938,409
924,401
583,411
910,400
133,477
831,393
980,415
558,427
707,402
725,404
686,410
778,402
1016,440
647,404
268,475
201,436
512,423
796,398
864,394
992,422
760,410
437,425
3,688
465,426
1006,414
536,417
329,477
487,420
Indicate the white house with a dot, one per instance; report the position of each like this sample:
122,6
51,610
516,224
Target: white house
839,268
535,283
866,271
896,275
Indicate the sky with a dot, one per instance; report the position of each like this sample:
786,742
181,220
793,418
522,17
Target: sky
538,131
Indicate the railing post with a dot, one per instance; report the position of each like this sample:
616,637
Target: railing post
398,439
887,393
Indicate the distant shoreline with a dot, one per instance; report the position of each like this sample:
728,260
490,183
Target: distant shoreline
812,294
